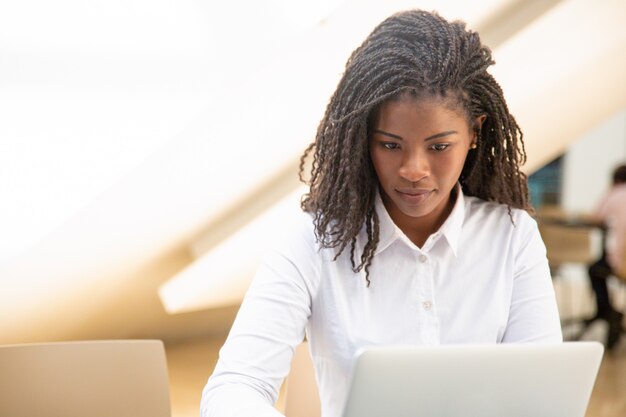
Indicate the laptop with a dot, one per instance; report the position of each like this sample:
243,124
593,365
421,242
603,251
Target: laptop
121,378
506,380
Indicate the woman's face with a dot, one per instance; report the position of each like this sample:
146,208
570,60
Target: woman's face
418,148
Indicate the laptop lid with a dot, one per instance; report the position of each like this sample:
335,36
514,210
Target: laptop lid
121,378
512,380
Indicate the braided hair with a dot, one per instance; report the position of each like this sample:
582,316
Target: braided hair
420,53
619,175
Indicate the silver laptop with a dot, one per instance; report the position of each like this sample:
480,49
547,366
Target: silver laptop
507,380
120,378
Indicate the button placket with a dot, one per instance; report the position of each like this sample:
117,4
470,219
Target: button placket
426,288
429,324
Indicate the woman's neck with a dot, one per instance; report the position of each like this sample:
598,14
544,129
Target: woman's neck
418,229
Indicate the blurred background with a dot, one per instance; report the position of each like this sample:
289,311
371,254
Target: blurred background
149,151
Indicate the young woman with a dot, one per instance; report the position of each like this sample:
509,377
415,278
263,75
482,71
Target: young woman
415,230
610,213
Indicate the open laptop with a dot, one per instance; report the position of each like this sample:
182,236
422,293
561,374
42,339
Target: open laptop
506,380
119,378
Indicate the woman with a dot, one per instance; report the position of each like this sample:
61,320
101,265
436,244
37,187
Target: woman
611,214
415,229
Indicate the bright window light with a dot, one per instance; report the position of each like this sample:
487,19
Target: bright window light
222,276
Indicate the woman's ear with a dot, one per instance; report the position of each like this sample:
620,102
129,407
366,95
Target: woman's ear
478,125
478,122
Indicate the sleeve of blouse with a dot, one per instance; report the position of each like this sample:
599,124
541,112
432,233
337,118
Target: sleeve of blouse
270,324
533,315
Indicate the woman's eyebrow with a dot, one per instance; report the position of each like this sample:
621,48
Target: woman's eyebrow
436,136
440,135
382,132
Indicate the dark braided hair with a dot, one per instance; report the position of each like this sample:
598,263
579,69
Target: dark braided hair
619,175
419,53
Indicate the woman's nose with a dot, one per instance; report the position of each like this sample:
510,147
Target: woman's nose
415,167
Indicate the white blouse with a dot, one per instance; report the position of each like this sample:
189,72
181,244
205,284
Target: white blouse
482,278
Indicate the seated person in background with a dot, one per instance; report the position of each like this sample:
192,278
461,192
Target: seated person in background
611,212
415,230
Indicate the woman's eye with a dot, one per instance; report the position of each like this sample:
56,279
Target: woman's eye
439,147
390,145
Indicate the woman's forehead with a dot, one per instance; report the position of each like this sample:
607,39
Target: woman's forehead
450,103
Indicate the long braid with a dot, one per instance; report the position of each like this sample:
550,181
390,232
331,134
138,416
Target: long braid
422,54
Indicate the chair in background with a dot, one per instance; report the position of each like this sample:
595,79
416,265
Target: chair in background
573,240
121,378
568,242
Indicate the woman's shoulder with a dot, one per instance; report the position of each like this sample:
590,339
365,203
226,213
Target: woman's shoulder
295,234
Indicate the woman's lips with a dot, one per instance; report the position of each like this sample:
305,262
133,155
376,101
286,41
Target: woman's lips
414,195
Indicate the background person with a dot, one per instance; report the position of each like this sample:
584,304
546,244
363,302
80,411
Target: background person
610,212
